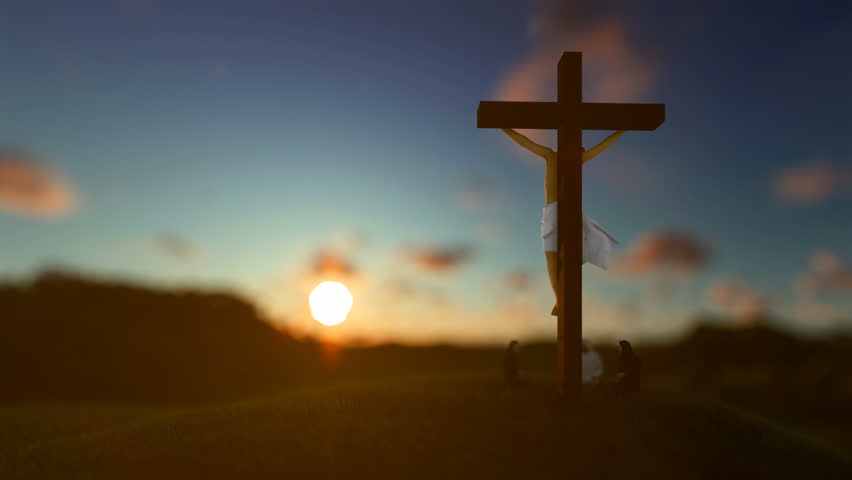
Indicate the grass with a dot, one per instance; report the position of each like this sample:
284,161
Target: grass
428,426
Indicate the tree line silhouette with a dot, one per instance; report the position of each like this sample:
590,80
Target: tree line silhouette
67,337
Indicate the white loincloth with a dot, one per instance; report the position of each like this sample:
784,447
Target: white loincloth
597,242
592,365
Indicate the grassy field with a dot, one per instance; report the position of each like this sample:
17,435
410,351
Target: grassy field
426,426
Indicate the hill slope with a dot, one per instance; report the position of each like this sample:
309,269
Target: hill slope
65,337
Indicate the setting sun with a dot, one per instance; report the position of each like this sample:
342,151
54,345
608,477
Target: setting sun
330,303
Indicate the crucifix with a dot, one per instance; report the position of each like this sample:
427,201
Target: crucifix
569,115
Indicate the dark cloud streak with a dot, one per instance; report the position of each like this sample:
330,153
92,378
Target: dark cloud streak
438,259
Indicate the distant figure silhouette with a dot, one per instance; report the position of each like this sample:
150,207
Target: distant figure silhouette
629,368
512,364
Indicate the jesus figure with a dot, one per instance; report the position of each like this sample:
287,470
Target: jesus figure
597,242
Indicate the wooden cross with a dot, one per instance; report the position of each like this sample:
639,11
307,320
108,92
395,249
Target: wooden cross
569,115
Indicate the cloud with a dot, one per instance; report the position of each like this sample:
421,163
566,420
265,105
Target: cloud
177,246
518,280
400,288
820,314
332,263
738,300
826,275
438,259
812,183
617,71
29,188
666,250
474,194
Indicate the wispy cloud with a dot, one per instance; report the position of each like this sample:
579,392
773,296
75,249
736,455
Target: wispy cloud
177,246
28,187
827,274
823,291
811,183
474,194
738,300
438,259
400,288
815,313
665,250
518,280
619,74
332,263
616,71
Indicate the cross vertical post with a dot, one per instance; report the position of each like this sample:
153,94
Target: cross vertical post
570,227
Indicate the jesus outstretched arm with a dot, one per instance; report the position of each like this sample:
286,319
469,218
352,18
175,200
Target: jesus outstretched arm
525,142
547,153
606,143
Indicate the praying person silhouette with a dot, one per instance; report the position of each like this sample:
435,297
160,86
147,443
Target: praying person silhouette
597,242
629,369
512,365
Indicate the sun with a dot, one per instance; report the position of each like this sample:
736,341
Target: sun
330,303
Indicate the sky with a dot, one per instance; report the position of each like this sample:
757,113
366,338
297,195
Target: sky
266,146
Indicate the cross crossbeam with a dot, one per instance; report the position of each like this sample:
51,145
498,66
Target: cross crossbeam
548,115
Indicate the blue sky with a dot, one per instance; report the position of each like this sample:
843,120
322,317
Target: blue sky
231,144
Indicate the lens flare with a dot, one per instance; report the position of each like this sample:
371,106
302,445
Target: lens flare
330,303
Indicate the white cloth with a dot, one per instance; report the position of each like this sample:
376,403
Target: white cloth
597,242
548,228
592,365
